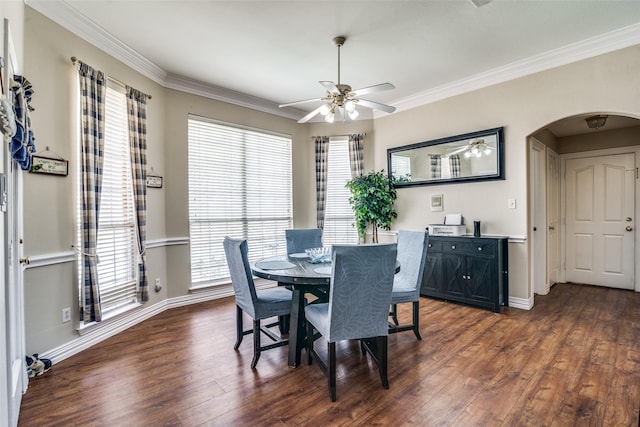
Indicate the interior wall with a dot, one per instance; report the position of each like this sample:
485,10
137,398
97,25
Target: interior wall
178,107
49,201
599,140
609,82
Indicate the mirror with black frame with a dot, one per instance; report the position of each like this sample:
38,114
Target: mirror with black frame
475,156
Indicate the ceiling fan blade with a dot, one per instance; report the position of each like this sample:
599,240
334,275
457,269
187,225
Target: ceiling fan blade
299,102
330,86
372,89
376,105
310,115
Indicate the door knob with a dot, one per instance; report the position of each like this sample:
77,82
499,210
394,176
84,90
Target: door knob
629,228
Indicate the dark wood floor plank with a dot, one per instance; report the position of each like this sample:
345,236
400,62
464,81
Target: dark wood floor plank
574,359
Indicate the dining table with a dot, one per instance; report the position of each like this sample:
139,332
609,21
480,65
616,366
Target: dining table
303,276
298,273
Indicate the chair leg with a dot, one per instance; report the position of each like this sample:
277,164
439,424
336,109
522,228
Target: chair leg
416,319
394,313
332,370
239,328
382,360
256,343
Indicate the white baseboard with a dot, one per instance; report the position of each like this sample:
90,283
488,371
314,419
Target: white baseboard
109,328
522,303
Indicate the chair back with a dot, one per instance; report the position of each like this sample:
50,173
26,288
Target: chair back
412,253
360,293
300,239
236,251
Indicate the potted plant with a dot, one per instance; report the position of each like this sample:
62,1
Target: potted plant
372,199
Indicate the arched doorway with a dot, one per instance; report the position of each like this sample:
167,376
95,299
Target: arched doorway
557,149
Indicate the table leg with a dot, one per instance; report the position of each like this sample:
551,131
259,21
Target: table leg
296,328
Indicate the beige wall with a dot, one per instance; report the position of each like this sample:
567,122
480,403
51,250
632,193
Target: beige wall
599,140
606,83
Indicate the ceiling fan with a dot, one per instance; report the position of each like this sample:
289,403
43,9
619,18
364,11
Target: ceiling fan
341,100
475,148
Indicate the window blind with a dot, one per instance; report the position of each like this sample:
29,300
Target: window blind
240,186
338,215
117,246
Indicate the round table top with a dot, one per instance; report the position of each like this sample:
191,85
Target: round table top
293,269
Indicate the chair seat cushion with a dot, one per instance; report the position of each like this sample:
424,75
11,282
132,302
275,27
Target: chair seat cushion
398,297
318,316
273,302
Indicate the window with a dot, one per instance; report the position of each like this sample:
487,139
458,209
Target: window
117,240
338,214
239,186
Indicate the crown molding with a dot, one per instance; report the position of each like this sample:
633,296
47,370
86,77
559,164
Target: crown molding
588,48
195,87
68,17
63,14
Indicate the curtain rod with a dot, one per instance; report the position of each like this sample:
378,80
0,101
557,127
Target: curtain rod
74,60
338,136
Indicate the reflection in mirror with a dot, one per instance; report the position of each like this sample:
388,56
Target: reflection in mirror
473,156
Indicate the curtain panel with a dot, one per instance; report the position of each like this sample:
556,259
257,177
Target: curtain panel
93,86
356,154
322,153
137,119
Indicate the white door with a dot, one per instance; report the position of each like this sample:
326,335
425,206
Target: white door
600,202
14,350
553,225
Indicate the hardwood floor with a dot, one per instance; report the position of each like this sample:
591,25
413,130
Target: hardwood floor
572,360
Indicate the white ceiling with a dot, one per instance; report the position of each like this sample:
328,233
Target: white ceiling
263,53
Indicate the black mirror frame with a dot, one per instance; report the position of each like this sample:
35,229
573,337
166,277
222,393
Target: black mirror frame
500,175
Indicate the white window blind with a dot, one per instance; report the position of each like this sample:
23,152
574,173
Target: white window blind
117,240
338,214
239,186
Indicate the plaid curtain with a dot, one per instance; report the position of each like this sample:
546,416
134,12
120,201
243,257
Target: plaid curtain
322,154
93,86
454,165
356,154
137,114
435,166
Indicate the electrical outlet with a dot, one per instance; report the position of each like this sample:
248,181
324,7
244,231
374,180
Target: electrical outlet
66,315
158,287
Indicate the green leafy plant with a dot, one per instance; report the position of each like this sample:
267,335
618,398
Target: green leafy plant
372,200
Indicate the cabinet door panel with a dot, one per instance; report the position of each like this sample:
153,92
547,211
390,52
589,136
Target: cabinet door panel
432,281
453,275
482,280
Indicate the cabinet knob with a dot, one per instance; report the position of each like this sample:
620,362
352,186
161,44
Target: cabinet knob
480,248
429,245
453,246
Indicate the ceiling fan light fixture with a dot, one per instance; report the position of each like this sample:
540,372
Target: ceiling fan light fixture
350,106
325,109
329,117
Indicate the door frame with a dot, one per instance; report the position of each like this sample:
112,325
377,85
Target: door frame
537,217
563,196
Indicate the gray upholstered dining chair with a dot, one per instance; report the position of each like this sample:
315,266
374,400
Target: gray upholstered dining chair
412,253
358,307
258,304
299,239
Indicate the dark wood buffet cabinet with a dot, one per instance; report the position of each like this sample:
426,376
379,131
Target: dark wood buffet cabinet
467,269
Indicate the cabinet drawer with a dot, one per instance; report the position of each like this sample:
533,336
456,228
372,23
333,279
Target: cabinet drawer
434,246
478,248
